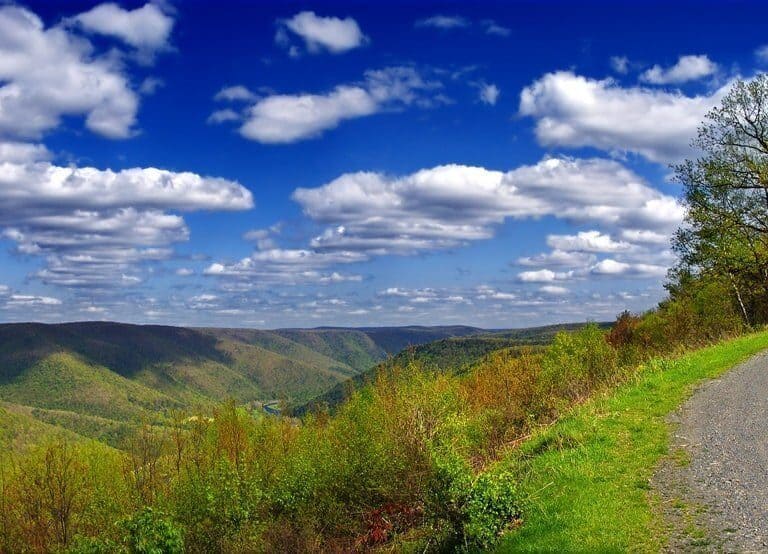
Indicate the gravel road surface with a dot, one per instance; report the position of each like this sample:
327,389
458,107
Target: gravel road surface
720,472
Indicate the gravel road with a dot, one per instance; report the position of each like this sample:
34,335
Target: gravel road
721,471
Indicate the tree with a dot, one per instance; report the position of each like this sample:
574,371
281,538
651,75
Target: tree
725,233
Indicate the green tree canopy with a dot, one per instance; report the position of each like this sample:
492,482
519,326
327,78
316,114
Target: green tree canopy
725,233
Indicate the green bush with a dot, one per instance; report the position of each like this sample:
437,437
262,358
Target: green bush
448,491
475,509
216,505
151,532
493,505
576,363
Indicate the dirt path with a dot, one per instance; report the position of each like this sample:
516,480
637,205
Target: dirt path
714,488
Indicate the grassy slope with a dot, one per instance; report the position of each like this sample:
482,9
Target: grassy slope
394,339
545,333
289,347
587,477
72,366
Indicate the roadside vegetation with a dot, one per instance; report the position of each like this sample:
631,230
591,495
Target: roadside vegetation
527,449
587,479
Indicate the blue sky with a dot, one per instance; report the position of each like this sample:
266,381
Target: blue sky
499,164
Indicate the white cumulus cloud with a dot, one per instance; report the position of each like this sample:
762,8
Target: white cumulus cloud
46,74
544,276
146,28
96,226
616,268
288,266
287,118
449,205
489,94
330,34
587,241
575,111
687,68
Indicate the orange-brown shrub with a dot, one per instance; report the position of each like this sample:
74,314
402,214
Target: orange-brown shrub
503,391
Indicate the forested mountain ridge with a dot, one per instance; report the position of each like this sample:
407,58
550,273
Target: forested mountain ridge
453,354
95,377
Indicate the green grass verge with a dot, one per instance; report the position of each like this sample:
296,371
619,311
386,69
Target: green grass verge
587,477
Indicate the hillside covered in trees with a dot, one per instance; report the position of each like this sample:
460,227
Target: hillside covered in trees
99,378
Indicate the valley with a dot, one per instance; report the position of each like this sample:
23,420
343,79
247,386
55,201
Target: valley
98,379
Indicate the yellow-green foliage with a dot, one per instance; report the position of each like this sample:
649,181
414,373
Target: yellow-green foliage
409,458
576,364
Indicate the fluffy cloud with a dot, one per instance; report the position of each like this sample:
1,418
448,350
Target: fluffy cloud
235,93
289,118
558,258
446,206
286,118
96,226
544,276
587,241
288,266
554,290
687,68
30,300
607,268
43,186
222,116
146,28
49,73
436,296
615,268
330,34
484,292
644,236
575,111
22,152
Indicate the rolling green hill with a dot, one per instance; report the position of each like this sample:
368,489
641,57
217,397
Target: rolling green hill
98,378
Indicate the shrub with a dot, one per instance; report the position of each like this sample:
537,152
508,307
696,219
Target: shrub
476,509
503,394
448,490
151,532
493,505
623,331
576,363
